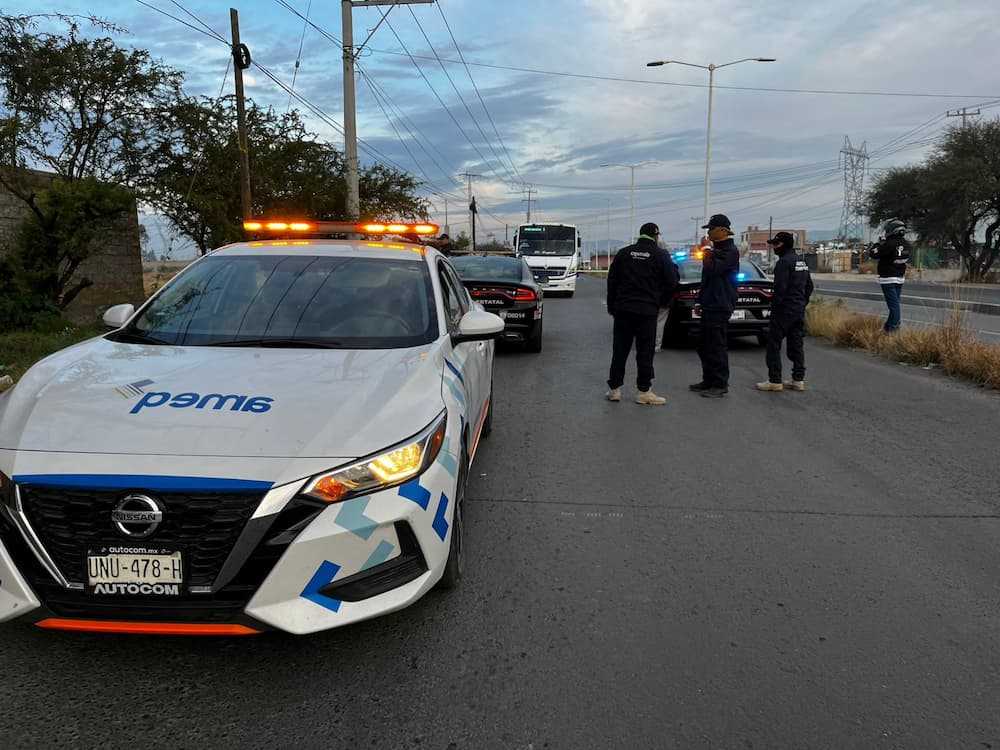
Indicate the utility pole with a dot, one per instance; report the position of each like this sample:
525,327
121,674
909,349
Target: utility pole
468,176
529,191
241,61
963,113
697,225
350,114
473,210
770,234
609,233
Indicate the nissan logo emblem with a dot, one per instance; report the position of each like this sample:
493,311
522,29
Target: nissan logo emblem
137,516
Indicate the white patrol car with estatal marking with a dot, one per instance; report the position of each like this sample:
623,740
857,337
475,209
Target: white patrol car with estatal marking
278,439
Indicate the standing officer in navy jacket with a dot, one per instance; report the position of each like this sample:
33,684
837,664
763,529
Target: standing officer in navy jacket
793,287
717,298
641,277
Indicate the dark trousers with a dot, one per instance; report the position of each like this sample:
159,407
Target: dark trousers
713,348
791,329
641,329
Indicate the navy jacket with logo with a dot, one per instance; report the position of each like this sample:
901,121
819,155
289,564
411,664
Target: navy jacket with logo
642,278
793,285
718,277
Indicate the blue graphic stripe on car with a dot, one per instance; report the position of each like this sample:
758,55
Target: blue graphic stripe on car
352,517
148,482
457,373
440,524
413,491
323,575
379,556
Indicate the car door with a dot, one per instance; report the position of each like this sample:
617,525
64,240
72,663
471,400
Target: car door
474,359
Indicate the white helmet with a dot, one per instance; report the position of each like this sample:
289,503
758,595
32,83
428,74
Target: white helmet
894,227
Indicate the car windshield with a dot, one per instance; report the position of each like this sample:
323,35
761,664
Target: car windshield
479,268
535,239
292,301
690,270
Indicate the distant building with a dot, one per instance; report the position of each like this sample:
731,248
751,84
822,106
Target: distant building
753,240
114,267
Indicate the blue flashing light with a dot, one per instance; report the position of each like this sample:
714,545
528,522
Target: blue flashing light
741,276
680,254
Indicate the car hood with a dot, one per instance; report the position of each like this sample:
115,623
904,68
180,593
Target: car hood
102,397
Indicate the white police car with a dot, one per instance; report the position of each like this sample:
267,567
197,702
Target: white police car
278,439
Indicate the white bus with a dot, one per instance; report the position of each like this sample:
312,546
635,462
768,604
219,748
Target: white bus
553,251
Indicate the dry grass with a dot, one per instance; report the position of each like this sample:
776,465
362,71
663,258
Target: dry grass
155,275
867,267
952,347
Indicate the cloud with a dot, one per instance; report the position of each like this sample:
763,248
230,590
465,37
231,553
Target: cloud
591,100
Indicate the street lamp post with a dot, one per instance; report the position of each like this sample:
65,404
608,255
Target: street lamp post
711,68
609,233
631,167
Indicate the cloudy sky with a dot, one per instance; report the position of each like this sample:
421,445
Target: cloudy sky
532,98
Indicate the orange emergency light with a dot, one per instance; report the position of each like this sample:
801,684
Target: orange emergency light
285,227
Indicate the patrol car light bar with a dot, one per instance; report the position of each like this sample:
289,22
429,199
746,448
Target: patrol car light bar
337,227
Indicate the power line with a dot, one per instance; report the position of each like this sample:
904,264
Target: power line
408,124
614,79
451,115
478,94
459,94
414,132
298,57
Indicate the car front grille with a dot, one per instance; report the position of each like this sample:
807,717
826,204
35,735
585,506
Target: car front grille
222,606
203,526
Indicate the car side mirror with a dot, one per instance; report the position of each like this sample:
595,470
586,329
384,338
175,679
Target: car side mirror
478,325
117,315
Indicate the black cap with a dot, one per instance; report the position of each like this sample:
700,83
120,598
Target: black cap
782,238
649,229
718,220
444,237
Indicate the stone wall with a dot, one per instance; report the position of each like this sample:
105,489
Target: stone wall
115,265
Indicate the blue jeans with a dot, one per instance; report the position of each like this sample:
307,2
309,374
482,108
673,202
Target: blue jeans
892,293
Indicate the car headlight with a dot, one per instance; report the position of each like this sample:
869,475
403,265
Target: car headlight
388,468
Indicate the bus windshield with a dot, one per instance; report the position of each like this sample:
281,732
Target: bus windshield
541,239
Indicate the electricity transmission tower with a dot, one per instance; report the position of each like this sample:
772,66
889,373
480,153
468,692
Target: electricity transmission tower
854,162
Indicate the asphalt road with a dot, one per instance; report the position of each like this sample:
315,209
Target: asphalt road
780,570
924,304
976,298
